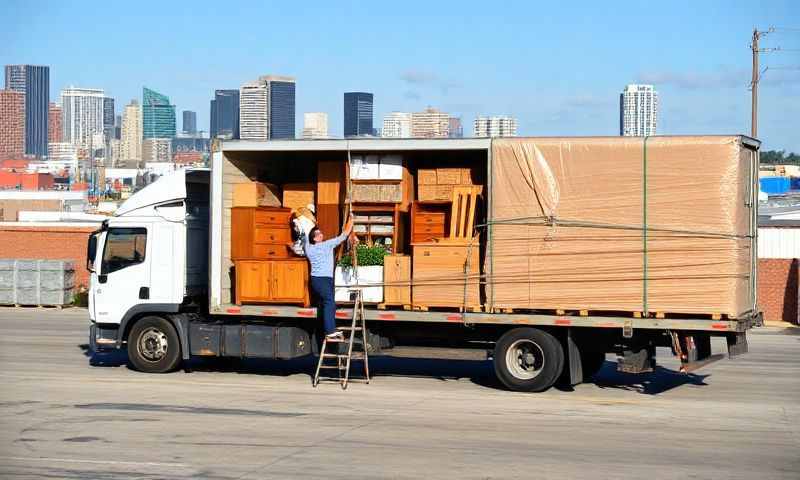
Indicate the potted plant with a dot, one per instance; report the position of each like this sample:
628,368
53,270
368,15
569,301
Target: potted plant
368,272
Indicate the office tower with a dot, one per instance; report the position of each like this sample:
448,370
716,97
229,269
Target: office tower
158,116
189,122
118,127
83,116
131,133
34,82
12,124
396,125
267,108
456,129
494,126
315,125
108,116
430,123
358,114
62,151
55,127
638,111
225,114
157,150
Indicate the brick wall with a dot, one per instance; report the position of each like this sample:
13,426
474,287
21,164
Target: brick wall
777,288
46,242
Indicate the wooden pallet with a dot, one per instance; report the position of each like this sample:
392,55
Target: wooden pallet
447,308
616,313
404,306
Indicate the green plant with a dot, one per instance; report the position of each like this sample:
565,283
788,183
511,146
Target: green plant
367,256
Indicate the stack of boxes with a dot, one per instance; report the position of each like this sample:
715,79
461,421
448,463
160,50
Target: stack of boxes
436,184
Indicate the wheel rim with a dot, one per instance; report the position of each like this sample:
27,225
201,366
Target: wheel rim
524,359
153,344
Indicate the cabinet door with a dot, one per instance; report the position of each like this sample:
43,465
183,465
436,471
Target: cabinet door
252,281
288,281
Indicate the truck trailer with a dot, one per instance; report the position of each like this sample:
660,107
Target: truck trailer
547,253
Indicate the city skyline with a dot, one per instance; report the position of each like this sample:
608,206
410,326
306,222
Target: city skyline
702,91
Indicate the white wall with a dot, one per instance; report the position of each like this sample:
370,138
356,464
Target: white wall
779,242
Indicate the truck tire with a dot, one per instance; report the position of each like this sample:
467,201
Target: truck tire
153,346
528,360
591,363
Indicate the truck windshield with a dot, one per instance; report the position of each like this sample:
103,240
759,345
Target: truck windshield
124,247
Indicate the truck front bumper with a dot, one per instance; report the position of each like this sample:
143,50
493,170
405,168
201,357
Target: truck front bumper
103,337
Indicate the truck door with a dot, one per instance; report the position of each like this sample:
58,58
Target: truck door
123,279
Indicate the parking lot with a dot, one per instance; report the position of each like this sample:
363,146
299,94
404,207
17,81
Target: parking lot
63,417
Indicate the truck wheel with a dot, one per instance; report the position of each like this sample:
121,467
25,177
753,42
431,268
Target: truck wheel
591,363
528,360
153,346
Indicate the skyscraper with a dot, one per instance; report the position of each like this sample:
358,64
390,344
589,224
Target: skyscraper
396,125
267,108
494,126
189,122
83,116
358,114
430,123
12,124
55,127
225,114
456,128
34,82
158,116
131,134
108,116
638,111
315,125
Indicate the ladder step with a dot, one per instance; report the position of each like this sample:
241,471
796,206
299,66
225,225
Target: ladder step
357,329
340,367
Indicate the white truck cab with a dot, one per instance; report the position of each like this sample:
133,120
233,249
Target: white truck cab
134,257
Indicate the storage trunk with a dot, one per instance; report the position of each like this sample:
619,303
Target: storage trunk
622,224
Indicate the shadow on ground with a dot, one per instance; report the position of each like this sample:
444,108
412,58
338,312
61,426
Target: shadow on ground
479,372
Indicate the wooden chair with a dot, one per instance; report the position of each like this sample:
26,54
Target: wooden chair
462,213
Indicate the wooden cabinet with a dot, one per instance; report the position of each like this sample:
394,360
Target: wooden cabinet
428,221
272,281
260,233
439,278
397,279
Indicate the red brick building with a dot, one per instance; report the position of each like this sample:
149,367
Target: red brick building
55,129
52,242
26,181
12,124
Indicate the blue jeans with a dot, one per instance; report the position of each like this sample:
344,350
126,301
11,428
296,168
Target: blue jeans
325,303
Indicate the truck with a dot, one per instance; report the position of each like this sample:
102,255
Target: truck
162,277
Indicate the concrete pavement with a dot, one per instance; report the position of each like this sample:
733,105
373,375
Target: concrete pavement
64,418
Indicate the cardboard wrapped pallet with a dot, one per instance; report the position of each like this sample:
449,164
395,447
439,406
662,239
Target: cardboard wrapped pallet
622,224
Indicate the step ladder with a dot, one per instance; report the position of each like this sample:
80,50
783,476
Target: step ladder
343,361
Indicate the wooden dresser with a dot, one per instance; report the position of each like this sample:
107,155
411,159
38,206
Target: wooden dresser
264,267
428,221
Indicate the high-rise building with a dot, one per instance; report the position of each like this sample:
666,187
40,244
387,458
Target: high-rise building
189,122
267,108
225,114
34,82
358,114
638,111
55,127
456,128
12,123
396,125
315,125
83,116
158,116
494,126
108,116
61,151
131,133
430,123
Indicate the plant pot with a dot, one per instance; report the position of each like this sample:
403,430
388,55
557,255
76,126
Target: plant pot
373,275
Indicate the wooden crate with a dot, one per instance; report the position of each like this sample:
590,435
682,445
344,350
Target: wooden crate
256,194
438,277
448,176
397,280
426,176
298,195
434,193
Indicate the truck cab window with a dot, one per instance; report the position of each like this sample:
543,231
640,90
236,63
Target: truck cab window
124,247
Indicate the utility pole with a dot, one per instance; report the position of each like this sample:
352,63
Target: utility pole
754,85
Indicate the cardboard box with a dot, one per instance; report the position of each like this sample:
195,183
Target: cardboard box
391,167
426,176
365,167
297,195
256,194
448,176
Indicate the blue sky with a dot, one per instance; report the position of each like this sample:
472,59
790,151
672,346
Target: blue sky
558,68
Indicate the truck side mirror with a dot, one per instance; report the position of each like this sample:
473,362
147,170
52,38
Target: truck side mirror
91,252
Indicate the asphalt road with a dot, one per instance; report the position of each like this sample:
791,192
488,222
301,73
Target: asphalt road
64,418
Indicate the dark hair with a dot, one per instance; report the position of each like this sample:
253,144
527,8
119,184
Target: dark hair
312,234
